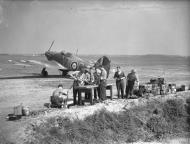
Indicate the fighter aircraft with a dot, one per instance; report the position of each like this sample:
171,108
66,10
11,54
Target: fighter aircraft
67,61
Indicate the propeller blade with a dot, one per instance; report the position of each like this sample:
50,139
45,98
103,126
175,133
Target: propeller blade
51,45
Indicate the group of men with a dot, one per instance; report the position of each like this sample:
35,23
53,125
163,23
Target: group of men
125,84
97,76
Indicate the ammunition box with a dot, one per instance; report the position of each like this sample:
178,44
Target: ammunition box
182,87
163,92
18,110
148,87
163,87
156,91
154,81
172,88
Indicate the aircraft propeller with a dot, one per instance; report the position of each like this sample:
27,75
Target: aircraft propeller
51,45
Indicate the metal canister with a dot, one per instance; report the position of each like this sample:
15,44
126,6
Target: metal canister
25,111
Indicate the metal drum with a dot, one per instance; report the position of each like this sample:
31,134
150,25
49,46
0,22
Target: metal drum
25,111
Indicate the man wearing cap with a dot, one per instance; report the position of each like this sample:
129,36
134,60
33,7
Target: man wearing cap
79,77
131,79
120,83
97,82
44,72
102,85
88,80
56,99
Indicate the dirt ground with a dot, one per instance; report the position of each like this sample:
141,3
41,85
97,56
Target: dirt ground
30,92
34,93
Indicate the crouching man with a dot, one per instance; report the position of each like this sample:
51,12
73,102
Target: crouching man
58,98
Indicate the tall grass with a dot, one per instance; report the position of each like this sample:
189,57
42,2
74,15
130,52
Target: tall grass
154,121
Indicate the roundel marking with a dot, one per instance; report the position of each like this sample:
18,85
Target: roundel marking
74,65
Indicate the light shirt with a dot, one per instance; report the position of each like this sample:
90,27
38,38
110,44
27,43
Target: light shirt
103,75
58,92
79,77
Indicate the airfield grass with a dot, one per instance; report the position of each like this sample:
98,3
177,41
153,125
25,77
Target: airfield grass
155,121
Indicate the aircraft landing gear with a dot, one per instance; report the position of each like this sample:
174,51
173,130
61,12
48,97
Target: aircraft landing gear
64,73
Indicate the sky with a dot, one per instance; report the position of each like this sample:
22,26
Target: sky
122,27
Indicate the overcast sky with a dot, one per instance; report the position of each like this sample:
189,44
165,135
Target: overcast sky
96,27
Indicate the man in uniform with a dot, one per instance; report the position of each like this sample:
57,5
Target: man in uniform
44,72
56,99
102,85
79,77
131,79
97,82
120,83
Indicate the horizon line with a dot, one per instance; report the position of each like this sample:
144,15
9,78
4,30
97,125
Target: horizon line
35,54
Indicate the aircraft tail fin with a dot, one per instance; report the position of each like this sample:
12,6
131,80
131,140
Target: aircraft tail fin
105,62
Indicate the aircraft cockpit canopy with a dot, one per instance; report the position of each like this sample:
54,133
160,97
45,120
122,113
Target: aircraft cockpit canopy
63,52
68,54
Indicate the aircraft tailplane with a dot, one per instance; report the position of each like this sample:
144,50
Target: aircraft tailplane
105,62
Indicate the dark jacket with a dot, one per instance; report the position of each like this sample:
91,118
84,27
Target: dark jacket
119,76
132,77
56,101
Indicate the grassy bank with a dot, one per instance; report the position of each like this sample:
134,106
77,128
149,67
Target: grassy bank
154,121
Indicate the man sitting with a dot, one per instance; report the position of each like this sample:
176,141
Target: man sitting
44,72
56,99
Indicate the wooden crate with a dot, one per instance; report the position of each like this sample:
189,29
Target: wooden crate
182,87
18,110
172,88
148,87
154,86
156,91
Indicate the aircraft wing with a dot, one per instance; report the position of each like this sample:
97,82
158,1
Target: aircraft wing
28,63
21,63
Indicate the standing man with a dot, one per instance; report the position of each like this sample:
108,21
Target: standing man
131,79
102,85
120,83
87,81
97,82
79,77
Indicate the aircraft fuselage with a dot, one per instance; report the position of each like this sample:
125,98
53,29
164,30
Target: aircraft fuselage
67,60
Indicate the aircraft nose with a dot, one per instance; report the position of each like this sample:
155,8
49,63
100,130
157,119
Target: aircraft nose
48,55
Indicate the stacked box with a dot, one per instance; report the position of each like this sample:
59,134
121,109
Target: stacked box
136,87
154,86
182,87
172,88
148,87
18,110
161,81
156,91
154,81
163,89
